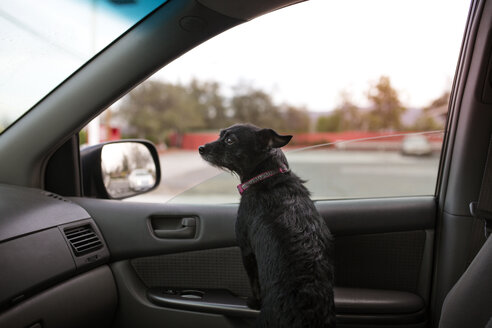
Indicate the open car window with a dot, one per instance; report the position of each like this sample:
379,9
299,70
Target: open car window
364,96
387,166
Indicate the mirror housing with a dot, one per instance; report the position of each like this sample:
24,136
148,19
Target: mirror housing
119,169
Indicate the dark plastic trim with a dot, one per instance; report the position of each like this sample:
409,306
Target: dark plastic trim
91,259
176,228
62,173
32,263
219,301
134,236
388,320
88,300
376,301
379,215
353,305
25,210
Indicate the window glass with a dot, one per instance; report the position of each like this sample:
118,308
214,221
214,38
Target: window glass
363,87
46,41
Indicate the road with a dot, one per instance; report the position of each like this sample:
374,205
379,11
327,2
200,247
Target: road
330,174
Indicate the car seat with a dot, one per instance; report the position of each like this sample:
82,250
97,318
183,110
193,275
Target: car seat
469,302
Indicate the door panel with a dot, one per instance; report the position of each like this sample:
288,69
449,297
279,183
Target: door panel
383,260
136,310
127,227
386,261
219,268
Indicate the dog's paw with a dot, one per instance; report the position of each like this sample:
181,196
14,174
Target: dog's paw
254,303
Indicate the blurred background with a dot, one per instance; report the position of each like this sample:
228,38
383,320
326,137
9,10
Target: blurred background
362,85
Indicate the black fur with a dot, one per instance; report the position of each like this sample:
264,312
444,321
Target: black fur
285,243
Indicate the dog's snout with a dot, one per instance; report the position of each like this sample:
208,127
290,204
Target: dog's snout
201,149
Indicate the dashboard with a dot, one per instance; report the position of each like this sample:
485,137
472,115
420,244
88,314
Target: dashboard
54,263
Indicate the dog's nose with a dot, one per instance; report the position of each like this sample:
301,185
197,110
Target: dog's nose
201,149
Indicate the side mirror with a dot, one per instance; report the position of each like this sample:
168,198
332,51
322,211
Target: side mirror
120,169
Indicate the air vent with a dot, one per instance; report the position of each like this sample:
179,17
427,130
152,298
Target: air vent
54,196
83,239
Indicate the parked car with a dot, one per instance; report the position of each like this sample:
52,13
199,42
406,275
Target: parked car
417,145
74,256
140,179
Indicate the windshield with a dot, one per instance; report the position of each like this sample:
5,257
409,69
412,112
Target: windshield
45,41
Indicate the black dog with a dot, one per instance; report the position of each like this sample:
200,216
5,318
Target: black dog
285,243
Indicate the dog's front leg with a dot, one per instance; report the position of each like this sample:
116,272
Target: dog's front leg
251,267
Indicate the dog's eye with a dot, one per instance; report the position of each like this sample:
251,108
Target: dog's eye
229,141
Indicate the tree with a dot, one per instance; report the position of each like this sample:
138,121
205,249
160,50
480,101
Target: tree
296,119
441,101
426,122
329,123
351,116
250,105
433,115
154,108
210,103
386,109
83,136
125,165
140,155
345,117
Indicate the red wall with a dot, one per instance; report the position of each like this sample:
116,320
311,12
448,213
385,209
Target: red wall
193,140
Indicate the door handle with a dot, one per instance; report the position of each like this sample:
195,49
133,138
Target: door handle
186,230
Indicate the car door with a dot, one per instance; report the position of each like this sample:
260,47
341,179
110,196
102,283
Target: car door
396,256
383,260
384,253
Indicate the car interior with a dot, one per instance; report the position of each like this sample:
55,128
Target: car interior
74,256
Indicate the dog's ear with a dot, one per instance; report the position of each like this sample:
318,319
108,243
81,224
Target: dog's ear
270,138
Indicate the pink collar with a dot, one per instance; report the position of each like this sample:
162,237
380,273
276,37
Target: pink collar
265,175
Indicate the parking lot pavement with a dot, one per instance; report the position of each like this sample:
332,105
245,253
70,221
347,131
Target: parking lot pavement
330,174
180,171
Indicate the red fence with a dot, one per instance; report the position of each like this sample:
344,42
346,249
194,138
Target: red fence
194,140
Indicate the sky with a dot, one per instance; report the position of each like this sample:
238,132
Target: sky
307,54
304,55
